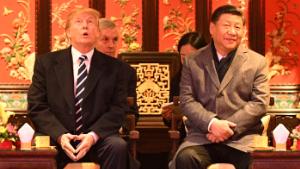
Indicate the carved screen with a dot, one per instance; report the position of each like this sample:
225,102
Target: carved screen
154,73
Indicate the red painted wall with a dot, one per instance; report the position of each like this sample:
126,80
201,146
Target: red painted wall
291,33
131,13
60,10
10,10
184,22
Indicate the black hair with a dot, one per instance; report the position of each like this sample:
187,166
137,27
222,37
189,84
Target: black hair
226,9
193,38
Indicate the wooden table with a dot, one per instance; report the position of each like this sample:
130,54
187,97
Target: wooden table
275,160
28,159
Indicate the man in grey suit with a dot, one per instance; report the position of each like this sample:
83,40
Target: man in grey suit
223,93
78,98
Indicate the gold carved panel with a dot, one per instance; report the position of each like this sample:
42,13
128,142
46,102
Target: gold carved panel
153,86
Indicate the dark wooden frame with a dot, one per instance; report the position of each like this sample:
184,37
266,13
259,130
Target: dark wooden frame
99,5
257,26
42,26
202,16
150,25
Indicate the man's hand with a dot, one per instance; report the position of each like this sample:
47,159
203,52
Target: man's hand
64,140
86,142
212,138
220,130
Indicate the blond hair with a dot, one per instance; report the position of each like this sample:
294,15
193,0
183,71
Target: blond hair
81,10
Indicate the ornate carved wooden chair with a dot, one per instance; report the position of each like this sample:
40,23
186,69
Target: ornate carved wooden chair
154,73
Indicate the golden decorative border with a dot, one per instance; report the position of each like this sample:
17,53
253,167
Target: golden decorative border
290,91
18,91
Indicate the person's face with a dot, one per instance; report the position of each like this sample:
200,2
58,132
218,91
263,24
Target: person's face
186,50
83,30
108,41
227,33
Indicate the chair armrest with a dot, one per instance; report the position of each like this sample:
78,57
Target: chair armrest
174,133
134,135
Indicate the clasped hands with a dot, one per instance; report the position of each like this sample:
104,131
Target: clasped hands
85,143
220,130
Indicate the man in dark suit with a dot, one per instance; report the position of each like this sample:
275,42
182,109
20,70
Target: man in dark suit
224,93
108,43
77,97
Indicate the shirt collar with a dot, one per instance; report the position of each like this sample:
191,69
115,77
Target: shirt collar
220,56
76,54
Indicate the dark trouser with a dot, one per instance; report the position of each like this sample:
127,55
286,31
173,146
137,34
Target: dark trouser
110,152
200,157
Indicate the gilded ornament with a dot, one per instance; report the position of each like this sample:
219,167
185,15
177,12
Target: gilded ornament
153,87
7,11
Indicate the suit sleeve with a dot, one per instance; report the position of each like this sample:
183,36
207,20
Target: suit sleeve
132,84
197,115
110,122
38,108
250,114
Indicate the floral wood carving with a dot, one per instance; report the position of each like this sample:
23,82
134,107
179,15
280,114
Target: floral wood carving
153,86
177,23
61,41
129,27
17,51
281,57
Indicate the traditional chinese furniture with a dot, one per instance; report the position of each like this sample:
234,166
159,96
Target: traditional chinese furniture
28,159
154,73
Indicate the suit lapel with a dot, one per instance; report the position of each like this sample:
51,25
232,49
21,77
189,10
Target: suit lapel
238,60
96,71
64,73
209,65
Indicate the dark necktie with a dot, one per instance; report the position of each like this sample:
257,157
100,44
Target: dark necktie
80,87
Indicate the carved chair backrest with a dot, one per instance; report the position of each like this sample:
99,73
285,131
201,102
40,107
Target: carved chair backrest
154,73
